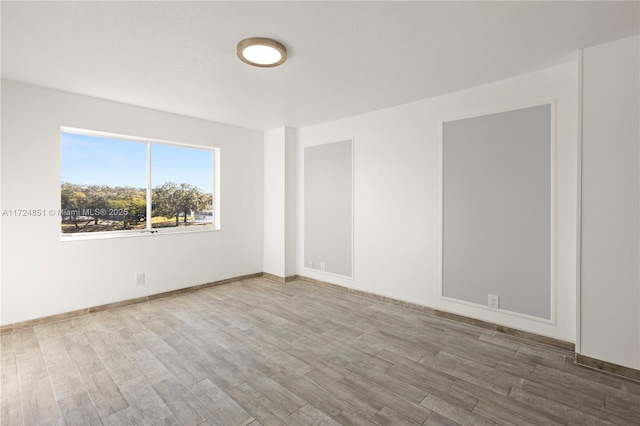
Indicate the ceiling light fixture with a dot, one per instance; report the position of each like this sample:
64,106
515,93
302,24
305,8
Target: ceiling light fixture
261,52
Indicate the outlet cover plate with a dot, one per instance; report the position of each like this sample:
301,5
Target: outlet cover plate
140,278
493,301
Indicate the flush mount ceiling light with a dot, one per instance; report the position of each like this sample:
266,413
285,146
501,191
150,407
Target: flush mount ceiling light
262,52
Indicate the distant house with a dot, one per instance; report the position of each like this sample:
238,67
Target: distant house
203,216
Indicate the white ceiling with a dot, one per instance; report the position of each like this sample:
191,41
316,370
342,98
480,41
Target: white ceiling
345,58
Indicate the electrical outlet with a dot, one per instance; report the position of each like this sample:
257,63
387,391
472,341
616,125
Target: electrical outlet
311,264
494,301
140,278
323,267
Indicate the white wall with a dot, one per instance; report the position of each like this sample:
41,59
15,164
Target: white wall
397,189
274,202
43,276
280,206
291,202
610,264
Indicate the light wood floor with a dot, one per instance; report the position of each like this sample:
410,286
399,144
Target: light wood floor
261,352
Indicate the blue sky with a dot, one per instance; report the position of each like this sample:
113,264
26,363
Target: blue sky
90,160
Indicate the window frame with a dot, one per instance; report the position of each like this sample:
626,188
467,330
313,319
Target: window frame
149,230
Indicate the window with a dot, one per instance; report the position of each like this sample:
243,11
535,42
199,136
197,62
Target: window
113,185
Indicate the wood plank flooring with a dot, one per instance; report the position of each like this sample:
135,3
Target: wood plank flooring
259,352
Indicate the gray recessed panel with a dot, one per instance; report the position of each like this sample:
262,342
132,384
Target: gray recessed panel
497,210
328,205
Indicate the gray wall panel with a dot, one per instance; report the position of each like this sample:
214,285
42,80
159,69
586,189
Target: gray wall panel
328,205
497,209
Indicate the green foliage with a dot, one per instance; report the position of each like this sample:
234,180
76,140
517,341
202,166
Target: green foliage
173,200
102,202
169,200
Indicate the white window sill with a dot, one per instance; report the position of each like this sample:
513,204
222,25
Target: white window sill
129,234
